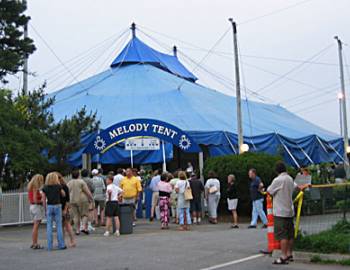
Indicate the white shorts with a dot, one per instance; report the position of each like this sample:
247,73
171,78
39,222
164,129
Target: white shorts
232,204
37,212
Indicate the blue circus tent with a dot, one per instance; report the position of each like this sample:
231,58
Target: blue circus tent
144,83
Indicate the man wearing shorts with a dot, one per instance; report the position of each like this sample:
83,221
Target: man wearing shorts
99,197
113,194
79,202
197,188
281,189
131,187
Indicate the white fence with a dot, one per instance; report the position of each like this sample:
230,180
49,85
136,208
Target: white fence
14,208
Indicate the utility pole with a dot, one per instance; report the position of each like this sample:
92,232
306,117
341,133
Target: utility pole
340,97
238,88
345,124
25,64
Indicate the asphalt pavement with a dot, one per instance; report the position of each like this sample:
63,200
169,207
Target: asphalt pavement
205,247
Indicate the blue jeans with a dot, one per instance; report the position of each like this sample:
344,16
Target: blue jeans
54,213
182,212
258,211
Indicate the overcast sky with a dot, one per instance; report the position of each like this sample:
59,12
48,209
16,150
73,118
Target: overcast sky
292,31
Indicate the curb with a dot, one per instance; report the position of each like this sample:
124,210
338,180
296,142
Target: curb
305,257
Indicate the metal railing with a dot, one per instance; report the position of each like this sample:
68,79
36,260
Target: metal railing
14,208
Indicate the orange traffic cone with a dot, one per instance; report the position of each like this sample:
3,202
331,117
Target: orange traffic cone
272,244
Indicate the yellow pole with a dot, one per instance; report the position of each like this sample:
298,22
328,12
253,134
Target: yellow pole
300,199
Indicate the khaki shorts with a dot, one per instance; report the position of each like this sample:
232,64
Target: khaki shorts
37,212
80,209
283,228
155,199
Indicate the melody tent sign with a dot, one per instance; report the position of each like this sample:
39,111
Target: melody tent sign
141,128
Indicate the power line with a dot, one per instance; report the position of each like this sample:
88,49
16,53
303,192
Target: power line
293,69
207,54
275,12
313,106
56,56
79,56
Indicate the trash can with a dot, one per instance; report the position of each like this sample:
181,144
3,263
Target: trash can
126,218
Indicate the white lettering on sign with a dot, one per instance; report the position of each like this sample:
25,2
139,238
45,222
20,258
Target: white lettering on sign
164,131
138,127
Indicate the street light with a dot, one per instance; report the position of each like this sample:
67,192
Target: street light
348,149
244,148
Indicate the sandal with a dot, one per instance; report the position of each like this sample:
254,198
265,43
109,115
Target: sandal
37,247
281,261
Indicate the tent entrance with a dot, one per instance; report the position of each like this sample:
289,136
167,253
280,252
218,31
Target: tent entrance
140,128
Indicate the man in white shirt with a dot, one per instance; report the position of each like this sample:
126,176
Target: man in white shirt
113,195
118,177
281,189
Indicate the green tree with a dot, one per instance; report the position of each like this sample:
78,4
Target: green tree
24,143
66,136
13,46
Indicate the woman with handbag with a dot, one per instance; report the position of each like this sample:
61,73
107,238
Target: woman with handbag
212,194
184,195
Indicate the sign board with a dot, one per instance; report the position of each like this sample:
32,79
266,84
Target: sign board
142,144
142,128
302,179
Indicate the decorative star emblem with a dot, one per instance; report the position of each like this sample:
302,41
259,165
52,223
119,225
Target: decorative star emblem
99,143
184,143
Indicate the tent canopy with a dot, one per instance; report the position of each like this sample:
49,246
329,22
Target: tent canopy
145,83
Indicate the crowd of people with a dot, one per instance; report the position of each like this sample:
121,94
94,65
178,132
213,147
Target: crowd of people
87,202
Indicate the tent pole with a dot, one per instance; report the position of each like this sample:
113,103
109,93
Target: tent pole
86,161
238,88
201,165
288,151
345,124
231,145
164,159
305,154
131,159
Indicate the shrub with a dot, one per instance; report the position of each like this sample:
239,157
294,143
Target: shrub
335,240
239,165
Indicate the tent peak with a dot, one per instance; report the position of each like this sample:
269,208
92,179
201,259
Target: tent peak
138,52
133,29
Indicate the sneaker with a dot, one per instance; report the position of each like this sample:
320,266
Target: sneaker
234,226
91,228
199,220
194,220
252,227
117,233
133,224
106,234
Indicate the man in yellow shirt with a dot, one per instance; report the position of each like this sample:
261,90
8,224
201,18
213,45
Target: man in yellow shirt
131,187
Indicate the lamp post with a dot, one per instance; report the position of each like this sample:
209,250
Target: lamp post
238,88
344,112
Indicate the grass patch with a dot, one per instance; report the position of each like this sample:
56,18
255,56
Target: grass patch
335,240
318,259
